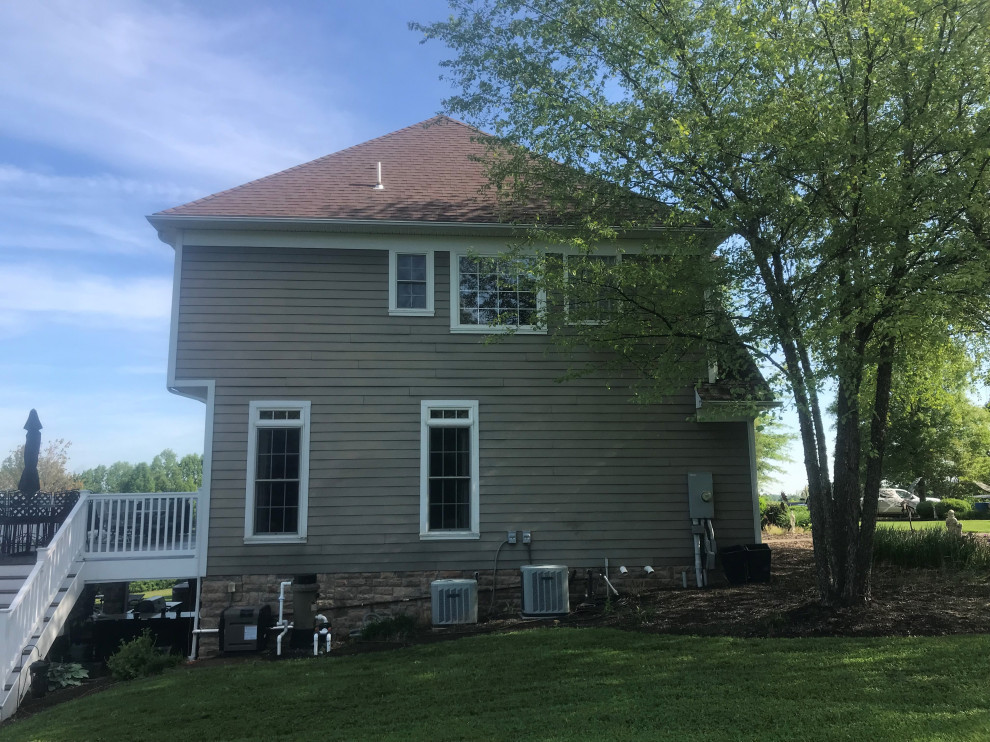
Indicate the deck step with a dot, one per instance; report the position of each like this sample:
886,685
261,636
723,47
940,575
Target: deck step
15,571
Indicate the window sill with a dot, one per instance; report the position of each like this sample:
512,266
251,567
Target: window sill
289,538
411,313
449,536
496,329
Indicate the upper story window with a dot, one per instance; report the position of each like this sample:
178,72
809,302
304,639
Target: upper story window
491,293
276,504
410,282
591,294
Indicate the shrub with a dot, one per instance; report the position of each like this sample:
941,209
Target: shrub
933,510
773,513
802,518
65,674
139,658
930,547
950,503
391,628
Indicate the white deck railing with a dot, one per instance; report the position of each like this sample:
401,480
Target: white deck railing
105,538
126,525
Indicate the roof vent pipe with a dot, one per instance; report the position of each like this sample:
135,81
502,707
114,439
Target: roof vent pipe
378,185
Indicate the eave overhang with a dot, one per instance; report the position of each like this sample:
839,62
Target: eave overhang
169,226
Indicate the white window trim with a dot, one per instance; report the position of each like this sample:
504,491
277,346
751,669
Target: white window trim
426,423
455,299
393,308
254,423
567,276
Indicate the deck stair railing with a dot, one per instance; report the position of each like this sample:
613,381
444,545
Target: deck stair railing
97,538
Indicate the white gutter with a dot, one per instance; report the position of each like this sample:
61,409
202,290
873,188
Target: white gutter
169,226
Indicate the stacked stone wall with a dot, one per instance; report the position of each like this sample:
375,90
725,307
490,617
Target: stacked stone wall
352,600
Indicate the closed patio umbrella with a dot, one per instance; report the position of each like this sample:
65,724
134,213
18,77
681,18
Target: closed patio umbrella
30,483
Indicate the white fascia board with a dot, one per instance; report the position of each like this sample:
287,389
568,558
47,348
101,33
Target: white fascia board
173,332
170,226
754,482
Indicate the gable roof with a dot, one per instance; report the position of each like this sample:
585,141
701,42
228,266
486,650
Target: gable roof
431,172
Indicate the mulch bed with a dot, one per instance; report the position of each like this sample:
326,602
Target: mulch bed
905,602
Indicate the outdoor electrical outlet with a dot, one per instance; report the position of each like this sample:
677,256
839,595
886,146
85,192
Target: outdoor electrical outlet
527,537
231,587
510,536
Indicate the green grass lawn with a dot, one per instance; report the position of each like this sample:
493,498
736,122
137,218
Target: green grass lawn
561,684
969,526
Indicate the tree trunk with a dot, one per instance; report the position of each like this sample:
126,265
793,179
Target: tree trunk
860,578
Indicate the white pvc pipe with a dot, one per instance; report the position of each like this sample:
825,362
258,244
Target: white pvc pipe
278,641
281,598
611,586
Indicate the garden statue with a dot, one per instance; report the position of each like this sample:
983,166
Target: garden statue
953,525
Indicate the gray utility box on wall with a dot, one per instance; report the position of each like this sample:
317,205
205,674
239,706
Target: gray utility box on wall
701,495
244,628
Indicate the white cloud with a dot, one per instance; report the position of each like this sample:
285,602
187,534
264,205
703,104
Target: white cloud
75,297
96,214
160,86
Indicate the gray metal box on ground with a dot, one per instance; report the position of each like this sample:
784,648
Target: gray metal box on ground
545,590
244,628
454,602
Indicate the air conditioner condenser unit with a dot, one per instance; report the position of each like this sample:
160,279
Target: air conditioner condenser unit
545,590
454,602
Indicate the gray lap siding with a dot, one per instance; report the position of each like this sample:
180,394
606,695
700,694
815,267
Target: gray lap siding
589,473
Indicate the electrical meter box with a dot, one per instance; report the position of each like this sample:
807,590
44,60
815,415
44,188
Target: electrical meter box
701,495
244,628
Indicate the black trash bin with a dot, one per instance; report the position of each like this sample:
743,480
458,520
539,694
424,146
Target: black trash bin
758,562
734,564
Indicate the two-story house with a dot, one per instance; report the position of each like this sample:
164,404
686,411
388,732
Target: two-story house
333,319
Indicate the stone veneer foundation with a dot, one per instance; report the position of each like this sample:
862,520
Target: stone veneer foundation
349,600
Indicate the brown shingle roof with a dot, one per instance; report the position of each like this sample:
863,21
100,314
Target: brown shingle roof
429,171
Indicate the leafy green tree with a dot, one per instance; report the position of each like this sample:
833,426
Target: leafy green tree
938,435
845,144
166,473
772,442
53,472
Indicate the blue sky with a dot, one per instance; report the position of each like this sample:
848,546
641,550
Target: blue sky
115,110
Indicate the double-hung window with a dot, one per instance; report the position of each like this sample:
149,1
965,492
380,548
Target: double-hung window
410,282
449,507
278,472
492,292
